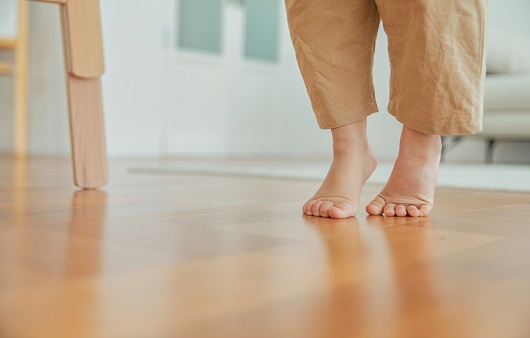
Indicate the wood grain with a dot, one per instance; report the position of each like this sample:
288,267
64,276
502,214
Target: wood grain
81,27
83,38
208,256
87,132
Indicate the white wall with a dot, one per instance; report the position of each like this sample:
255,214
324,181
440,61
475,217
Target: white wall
131,84
48,119
8,28
6,112
133,87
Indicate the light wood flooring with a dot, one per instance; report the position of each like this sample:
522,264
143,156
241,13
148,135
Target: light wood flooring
160,256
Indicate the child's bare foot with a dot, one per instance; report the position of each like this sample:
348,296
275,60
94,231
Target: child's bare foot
410,188
353,163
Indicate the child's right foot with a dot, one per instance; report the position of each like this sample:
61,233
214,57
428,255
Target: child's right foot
353,163
410,188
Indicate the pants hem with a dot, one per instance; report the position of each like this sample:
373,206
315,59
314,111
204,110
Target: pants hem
340,120
434,129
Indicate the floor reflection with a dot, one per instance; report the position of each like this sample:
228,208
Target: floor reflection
88,209
20,191
45,263
379,273
80,307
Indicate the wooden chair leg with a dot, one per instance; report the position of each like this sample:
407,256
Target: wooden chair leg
83,55
21,82
83,50
87,132
83,59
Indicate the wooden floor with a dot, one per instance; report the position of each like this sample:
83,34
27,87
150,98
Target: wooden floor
160,256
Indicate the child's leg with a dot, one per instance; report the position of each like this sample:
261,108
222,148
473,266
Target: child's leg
436,51
353,163
410,188
334,41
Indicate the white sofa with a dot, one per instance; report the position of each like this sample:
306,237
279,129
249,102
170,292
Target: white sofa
506,92
507,106
506,110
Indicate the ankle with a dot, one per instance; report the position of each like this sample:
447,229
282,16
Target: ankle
350,139
351,148
419,143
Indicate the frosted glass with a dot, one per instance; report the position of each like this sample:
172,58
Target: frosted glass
8,18
261,29
200,25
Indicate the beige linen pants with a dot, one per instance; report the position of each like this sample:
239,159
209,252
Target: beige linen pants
436,51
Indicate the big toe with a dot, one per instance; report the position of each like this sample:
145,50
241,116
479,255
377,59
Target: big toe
376,206
341,210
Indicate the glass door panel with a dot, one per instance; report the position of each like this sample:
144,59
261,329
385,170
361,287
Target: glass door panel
200,25
262,29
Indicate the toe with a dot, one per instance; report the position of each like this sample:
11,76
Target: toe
389,209
425,209
376,206
342,210
307,207
315,208
304,207
324,208
335,212
413,211
401,210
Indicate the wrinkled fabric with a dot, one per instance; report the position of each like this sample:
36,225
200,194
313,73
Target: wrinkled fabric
436,51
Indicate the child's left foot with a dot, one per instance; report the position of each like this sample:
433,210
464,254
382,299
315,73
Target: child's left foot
410,188
353,163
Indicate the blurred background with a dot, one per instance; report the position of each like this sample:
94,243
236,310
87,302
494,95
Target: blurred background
219,79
